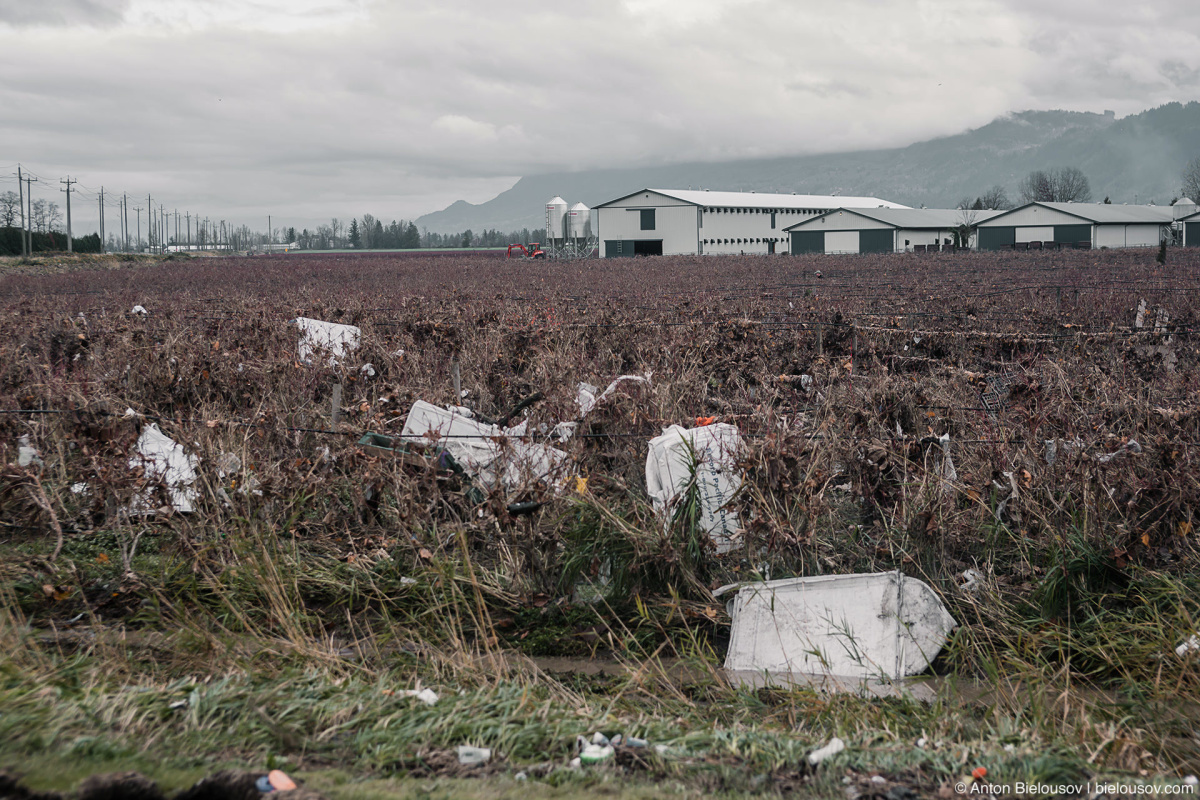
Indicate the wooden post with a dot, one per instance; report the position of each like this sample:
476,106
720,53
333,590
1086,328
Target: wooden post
456,378
337,403
820,341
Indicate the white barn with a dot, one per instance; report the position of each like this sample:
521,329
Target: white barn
692,222
882,230
1092,225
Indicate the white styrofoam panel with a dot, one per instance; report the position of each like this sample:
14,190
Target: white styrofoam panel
841,241
878,625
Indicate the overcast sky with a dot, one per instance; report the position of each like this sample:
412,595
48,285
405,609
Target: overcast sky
308,109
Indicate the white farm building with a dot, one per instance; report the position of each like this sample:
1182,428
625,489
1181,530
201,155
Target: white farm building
1093,225
883,230
694,222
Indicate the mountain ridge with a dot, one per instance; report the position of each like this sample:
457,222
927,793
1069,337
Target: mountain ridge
1139,158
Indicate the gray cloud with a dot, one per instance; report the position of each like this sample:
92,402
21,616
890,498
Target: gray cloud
339,107
22,13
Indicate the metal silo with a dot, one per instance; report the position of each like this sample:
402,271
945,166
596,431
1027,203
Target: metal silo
556,211
577,220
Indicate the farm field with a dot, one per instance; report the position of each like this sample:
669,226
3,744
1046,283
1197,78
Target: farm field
1019,430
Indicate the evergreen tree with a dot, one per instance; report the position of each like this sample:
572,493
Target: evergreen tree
355,239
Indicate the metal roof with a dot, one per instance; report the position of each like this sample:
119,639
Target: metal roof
1106,213
909,218
702,197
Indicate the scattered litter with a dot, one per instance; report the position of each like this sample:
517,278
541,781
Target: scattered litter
707,456
407,581
337,340
595,753
879,625
806,382
521,776
588,399
166,461
27,454
1161,320
1140,319
367,370
129,412
1190,646
488,453
427,696
972,581
922,742
275,781
177,705
81,489
834,747
399,353
1191,780
139,310
1051,451
949,473
1131,446
470,756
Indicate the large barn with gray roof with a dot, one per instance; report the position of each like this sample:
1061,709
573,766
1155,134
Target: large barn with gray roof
690,222
883,230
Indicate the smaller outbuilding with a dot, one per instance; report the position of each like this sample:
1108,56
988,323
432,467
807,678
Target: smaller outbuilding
1191,230
885,230
1087,225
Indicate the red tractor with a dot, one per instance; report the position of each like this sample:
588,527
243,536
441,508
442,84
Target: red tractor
533,251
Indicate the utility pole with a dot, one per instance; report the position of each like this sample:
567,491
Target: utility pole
125,219
102,245
188,216
29,182
21,186
149,224
270,238
68,182
138,241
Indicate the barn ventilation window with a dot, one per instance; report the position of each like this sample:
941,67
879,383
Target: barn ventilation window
647,219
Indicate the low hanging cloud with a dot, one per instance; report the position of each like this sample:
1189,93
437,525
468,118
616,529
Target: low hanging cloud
398,109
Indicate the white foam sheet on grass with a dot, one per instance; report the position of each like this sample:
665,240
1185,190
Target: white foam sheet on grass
328,337
164,461
488,453
709,454
881,625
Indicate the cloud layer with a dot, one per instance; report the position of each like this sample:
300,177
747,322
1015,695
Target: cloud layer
314,108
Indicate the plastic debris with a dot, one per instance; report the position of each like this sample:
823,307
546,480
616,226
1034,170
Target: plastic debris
881,625
426,696
706,455
948,472
166,461
1131,446
806,382
367,370
470,756
140,311
1191,780
834,747
275,781
27,454
588,399
1190,646
1140,319
336,340
488,453
595,753
972,581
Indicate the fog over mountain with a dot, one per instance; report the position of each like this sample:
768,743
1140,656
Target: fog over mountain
1135,158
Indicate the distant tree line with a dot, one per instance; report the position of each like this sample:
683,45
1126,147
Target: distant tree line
370,233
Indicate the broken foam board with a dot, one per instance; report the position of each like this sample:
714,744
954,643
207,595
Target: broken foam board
870,626
330,337
669,467
166,462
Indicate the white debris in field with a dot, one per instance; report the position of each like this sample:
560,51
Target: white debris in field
399,353
129,412
834,747
490,454
948,472
329,337
706,456
972,581
165,461
1140,319
1051,451
1190,646
140,311
1161,320
588,399
426,696
806,382
27,454
367,370
1131,446
851,627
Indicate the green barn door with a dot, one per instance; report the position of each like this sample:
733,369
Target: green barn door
996,238
1070,234
876,241
808,242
